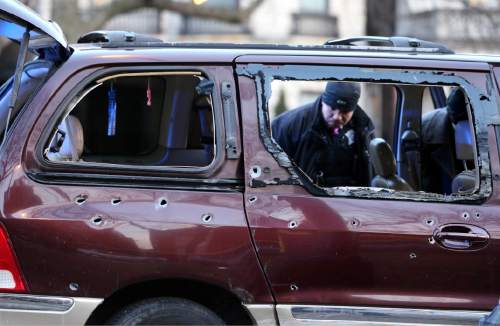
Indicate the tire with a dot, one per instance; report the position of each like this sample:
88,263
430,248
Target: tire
165,311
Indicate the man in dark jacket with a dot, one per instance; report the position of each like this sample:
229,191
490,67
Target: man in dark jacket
328,139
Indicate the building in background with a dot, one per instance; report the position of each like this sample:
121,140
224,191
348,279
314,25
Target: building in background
274,21
463,25
293,21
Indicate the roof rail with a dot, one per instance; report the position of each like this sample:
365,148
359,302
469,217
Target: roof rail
117,37
402,44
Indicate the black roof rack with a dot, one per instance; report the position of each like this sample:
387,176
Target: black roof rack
398,43
117,37
124,39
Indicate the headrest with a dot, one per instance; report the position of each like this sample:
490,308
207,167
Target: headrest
465,181
382,158
72,147
456,105
463,141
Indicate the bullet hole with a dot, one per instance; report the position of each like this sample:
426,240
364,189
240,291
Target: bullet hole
292,224
206,218
252,199
80,199
294,287
477,215
430,222
465,215
255,171
431,240
484,98
115,201
354,223
97,220
162,202
413,255
73,286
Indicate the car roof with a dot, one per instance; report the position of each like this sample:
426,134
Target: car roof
227,53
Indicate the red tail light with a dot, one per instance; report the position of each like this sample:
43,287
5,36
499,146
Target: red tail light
10,276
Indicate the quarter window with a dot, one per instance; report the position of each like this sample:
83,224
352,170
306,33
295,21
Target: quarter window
139,119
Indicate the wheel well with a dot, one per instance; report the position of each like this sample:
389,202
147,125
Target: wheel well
224,303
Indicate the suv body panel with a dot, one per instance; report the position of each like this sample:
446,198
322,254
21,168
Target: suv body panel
347,251
174,242
357,252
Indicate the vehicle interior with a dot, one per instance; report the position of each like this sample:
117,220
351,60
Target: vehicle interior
146,119
423,140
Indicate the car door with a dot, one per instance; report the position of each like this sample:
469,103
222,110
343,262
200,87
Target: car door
81,238
341,258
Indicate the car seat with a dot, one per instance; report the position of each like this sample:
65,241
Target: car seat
67,144
384,165
465,181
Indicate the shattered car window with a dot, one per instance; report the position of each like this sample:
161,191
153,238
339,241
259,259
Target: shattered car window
372,135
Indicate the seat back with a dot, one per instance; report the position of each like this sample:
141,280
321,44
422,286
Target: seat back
465,181
463,141
384,165
71,148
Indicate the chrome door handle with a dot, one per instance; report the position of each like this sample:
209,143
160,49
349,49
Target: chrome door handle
461,237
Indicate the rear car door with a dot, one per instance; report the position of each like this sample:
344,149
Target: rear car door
351,255
176,216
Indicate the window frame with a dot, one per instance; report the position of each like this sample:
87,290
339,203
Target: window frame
86,85
263,75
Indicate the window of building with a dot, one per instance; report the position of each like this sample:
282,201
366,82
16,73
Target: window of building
225,4
314,6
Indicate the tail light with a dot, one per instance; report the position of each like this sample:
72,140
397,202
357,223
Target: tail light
10,276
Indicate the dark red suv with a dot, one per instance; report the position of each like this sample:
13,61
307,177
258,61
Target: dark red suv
141,184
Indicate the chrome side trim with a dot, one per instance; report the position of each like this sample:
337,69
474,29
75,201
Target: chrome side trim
21,311
351,315
262,314
34,302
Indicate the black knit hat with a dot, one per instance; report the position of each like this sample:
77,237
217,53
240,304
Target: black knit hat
342,95
456,106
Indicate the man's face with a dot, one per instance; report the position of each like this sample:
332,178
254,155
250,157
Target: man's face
335,118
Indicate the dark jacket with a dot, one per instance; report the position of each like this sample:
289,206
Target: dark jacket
330,161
